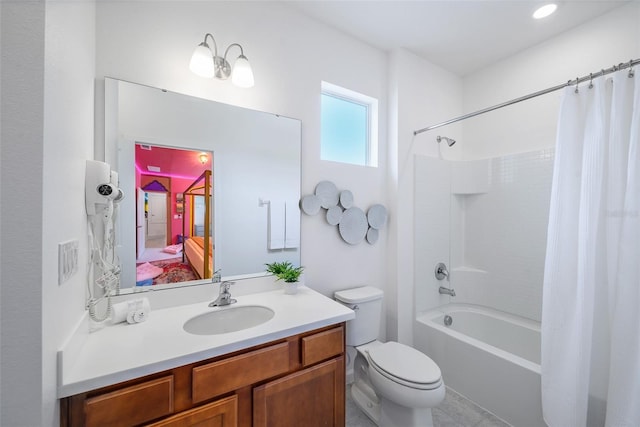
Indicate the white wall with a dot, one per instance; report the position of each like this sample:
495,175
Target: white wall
422,94
597,44
498,257
1,118
433,230
47,127
68,132
151,43
21,314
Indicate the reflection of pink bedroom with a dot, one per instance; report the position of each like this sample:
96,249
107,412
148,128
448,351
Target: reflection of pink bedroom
173,215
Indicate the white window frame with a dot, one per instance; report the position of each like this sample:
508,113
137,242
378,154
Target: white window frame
371,105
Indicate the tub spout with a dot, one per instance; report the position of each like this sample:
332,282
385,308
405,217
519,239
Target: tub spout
447,291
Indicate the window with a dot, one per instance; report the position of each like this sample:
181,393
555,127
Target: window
349,126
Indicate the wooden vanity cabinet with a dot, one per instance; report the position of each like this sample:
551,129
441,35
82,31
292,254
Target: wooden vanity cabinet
299,380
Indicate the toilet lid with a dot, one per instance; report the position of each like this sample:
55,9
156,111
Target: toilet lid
405,363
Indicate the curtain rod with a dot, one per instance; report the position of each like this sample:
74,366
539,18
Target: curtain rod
576,81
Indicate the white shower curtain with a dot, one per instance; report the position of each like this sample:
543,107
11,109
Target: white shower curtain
591,293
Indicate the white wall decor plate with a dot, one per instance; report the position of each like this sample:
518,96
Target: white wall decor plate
377,216
310,204
328,194
372,235
334,215
353,225
346,199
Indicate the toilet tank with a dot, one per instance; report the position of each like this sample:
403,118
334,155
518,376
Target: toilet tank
366,301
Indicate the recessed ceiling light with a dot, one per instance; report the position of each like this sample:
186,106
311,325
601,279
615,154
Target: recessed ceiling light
545,11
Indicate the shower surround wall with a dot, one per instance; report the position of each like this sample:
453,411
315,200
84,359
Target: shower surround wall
487,220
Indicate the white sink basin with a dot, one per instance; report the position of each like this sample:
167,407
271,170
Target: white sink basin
229,319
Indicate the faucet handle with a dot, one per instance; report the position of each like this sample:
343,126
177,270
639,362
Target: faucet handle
441,271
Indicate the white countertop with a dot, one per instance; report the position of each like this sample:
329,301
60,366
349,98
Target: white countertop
122,352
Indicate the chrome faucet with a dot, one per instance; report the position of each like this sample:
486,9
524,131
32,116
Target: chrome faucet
224,298
217,276
447,291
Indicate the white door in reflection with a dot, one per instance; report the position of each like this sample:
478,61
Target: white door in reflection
156,220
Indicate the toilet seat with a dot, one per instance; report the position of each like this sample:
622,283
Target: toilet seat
405,365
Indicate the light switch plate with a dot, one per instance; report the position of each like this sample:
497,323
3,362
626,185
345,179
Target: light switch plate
67,260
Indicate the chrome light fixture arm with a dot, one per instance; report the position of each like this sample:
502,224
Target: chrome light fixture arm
223,68
215,46
230,46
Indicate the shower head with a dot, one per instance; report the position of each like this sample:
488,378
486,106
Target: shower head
449,141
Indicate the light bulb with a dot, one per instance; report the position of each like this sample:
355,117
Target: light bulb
545,11
242,75
202,61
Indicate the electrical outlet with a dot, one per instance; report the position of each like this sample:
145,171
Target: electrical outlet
67,260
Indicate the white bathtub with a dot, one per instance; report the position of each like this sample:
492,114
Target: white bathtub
491,357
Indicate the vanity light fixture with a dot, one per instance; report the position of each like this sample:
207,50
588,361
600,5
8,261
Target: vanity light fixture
545,11
203,158
207,63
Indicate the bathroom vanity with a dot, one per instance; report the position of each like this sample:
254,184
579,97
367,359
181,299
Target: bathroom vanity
287,371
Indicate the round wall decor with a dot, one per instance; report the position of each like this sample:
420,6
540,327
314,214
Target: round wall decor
353,225
328,194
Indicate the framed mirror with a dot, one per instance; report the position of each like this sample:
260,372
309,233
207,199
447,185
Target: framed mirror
253,162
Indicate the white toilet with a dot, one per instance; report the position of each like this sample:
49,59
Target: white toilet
394,384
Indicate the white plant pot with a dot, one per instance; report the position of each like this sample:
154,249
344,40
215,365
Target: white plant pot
291,288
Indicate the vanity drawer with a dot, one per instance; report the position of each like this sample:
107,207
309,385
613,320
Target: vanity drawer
214,379
323,345
131,405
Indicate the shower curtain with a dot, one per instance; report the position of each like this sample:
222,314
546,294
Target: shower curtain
591,292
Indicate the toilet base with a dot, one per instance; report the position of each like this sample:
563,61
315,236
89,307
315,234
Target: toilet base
392,414
367,401
385,413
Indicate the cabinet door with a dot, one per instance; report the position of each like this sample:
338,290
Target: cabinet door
311,397
130,405
221,413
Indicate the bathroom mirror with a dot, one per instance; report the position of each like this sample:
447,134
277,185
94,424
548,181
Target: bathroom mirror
255,182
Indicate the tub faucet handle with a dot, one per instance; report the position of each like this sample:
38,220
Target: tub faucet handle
441,271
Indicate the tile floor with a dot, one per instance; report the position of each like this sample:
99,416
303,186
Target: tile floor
455,411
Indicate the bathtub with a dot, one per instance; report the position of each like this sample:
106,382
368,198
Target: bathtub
488,356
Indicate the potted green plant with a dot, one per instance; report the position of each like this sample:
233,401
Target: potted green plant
286,272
